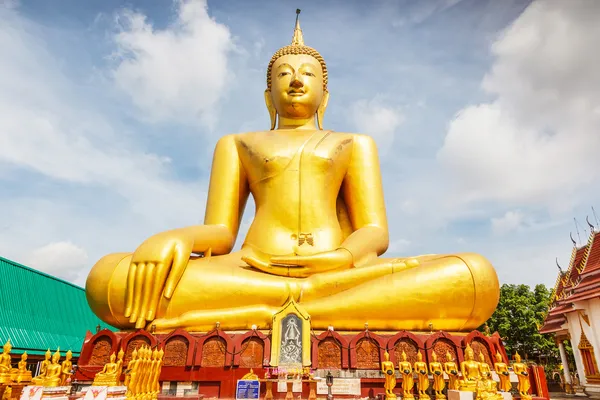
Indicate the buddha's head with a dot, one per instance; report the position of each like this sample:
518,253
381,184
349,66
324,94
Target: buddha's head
386,356
24,356
134,354
297,82
121,354
69,355
161,353
7,347
481,357
469,354
403,356
419,356
449,356
112,357
48,354
56,356
517,357
434,357
498,357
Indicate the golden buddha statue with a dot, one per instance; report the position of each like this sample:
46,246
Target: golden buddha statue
6,369
67,369
319,230
130,373
23,375
503,374
408,382
423,376
520,369
488,388
51,377
484,368
469,369
7,395
110,373
437,370
451,370
387,367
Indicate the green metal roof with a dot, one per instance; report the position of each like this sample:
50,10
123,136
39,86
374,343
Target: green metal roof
39,311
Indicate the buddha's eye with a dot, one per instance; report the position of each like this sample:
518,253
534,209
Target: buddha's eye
309,74
283,74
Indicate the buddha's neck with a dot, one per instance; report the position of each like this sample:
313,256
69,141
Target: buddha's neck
297,123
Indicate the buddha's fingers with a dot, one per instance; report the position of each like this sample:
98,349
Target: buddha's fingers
145,300
137,293
258,264
130,287
181,257
160,275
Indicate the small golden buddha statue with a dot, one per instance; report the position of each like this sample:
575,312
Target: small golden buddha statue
503,374
520,369
451,370
130,373
51,377
408,382
387,367
109,376
423,376
484,368
488,388
318,235
437,370
6,369
66,369
23,375
469,369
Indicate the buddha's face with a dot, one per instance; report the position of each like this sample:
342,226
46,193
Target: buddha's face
24,357
112,358
469,354
296,86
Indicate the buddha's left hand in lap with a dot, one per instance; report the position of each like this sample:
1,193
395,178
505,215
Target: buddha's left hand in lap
299,266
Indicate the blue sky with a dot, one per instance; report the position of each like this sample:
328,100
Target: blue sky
486,114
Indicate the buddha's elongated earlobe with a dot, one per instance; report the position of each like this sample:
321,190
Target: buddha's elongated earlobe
271,108
322,108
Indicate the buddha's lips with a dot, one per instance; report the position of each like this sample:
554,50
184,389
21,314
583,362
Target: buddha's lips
295,93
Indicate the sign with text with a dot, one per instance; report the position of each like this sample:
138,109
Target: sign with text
340,386
247,389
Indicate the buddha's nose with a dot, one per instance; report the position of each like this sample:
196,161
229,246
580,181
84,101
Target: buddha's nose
296,83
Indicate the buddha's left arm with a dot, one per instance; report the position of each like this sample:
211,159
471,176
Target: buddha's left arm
363,194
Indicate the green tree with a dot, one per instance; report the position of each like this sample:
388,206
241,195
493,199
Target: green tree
519,314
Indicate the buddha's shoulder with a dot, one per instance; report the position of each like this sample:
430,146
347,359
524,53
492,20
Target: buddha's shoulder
358,138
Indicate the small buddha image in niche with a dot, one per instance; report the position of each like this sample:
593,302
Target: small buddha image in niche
290,351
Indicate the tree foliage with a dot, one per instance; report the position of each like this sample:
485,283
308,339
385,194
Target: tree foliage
520,313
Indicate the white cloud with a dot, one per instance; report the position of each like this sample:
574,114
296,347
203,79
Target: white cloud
178,73
537,142
61,259
509,222
377,120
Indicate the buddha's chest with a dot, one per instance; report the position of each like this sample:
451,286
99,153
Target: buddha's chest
271,155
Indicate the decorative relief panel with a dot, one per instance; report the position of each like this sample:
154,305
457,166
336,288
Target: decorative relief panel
443,346
479,346
135,343
367,354
101,351
330,354
213,353
176,351
409,347
252,353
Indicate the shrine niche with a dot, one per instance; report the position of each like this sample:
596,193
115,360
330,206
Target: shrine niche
101,350
176,352
134,344
408,346
252,354
443,346
479,346
214,350
330,354
367,354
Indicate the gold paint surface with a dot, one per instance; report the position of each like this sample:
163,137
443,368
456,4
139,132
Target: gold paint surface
317,237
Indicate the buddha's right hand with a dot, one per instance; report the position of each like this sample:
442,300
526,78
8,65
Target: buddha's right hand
155,270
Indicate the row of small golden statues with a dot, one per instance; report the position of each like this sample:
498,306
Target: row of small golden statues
141,376
476,376
51,372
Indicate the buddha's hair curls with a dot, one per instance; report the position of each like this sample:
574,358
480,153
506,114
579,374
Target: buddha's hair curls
294,49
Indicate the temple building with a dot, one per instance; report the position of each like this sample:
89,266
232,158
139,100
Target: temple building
40,312
574,315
